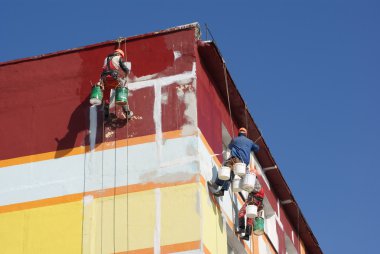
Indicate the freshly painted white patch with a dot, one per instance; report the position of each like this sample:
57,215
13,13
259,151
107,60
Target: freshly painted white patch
87,200
93,126
129,65
292,236
186,76
177,54
180,93
142,78
279,223
157,117
164,98
190,114
157,227
112,98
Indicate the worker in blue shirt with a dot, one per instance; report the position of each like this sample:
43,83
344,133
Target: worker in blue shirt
241,148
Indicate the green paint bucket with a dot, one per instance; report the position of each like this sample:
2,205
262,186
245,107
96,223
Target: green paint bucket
258,228
121,95
96,95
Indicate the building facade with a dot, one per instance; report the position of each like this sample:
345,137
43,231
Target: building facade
72,183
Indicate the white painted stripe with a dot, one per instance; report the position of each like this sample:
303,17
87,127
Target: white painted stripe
63,176
157,117
93,126
157,227
183,78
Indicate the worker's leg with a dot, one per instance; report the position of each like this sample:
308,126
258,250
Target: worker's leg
219,186
106,103
248,229
241,218
125,107
229,163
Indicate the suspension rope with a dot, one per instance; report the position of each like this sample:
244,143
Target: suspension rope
114,192
84,193
246,119
102,192
128,185
228,97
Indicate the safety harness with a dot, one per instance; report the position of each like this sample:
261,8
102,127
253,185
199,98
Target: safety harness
110,71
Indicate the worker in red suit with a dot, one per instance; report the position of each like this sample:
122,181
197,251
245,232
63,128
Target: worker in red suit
254,198
113,73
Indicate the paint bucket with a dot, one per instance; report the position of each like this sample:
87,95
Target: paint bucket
224,173
236,184
96,95
251,211
239,168
249,182
121,95
258,228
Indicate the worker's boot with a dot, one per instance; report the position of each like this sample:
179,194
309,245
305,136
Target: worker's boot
248,232
214,188
241,227
127,111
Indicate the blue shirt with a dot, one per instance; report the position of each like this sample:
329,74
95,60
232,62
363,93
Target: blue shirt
241,147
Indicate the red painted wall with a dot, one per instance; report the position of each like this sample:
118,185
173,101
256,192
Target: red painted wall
44,101
212,111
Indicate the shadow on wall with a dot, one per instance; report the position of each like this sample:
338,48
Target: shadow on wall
78,123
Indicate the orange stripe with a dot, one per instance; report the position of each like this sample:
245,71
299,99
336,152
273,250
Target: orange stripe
195,245
82,149
181,247
205,250
209,149
97,194
255,243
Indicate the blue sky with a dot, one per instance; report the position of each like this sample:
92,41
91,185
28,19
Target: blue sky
308,70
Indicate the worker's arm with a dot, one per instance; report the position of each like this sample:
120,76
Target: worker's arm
230,145
123,65
255,148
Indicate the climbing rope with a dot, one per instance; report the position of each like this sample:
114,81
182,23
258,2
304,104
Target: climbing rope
246,119
228,97
84,193
102,192
127,186
114,192
125,50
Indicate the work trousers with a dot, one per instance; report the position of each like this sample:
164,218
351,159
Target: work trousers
111,83
226,183
252,199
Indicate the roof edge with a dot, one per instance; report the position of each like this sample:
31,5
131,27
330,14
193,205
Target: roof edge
280,177
194,25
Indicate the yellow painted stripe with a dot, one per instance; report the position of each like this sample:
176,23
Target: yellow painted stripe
97,194
230,223
195,245
82,149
